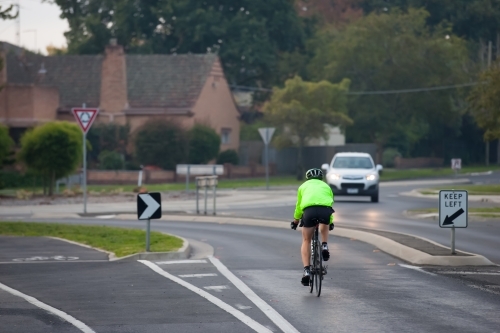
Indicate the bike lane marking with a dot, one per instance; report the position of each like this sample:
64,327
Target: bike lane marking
209,297
272,314
70,319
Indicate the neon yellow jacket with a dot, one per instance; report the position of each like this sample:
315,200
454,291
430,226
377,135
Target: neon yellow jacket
313,192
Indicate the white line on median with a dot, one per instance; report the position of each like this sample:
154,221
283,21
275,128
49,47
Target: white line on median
470,273
224,306
272,314
216,288
197,275
70,319
181,262
416,268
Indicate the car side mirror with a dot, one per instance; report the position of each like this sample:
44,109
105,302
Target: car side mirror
379,168
325,167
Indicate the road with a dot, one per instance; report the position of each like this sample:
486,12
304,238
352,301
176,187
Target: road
365,290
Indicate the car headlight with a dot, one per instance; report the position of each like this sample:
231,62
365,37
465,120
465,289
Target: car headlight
371,177
334,176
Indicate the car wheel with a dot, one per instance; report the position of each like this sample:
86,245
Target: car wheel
375,197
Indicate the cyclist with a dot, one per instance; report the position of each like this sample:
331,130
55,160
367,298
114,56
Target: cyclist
314,202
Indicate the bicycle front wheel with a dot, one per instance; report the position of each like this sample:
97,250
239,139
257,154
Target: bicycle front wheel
318,276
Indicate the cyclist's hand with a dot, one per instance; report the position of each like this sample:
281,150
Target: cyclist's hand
331,226
293,225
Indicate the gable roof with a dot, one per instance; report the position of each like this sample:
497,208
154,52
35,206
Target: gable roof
170,81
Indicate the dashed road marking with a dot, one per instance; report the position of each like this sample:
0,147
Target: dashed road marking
243,307
469,273
181,262
70,319
272,314
216,288
197,275
416,268
209,297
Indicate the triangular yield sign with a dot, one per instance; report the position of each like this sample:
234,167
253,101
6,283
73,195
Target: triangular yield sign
85,117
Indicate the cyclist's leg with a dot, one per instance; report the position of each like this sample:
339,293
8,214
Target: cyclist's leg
324,229
307,234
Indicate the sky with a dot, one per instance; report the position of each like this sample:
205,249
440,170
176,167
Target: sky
41,17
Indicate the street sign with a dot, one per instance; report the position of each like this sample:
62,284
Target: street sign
85,117
149,206
456,163
266,133
453,209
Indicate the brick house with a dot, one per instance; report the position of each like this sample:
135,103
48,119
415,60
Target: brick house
127,89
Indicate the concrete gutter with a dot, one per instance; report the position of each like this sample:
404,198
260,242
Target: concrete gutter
387,245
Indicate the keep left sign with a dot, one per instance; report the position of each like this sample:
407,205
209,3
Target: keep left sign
453,208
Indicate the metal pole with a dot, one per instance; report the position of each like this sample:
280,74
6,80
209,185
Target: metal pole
139,179
187,178
453,240
84,168
197,197
267,166
148,228
215,194
206,189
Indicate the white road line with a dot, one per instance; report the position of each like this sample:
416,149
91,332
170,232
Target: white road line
272,314
216,288
224,306
470,273
197,275
416,268
105,217
181,262
72,320
243,307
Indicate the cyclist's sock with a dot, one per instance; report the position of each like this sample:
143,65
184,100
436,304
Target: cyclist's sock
324,243
307,267
325,252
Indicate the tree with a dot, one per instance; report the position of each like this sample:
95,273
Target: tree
110,160
228,156
248,35
484,102
6,144
303,108
391,51
53,150
161,143
6,14
108,137
204,144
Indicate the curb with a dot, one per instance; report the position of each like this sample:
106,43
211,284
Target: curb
386,245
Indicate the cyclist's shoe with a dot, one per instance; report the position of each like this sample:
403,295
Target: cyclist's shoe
325,252
331,226
306,277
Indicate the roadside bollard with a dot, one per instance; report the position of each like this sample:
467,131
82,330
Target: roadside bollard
206,182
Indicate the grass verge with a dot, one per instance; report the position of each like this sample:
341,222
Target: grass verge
493,189
120,241
479,210
395,174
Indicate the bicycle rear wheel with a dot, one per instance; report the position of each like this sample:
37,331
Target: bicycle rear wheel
318,276
313,266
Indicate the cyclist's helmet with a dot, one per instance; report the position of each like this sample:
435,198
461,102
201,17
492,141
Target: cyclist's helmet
314,174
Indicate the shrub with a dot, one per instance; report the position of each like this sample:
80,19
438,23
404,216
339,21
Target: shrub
161,143
388,157
228,156
204,144
110,160
6,144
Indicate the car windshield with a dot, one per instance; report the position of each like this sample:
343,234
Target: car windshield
344,162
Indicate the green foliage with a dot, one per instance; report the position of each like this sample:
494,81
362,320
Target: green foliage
6,144
12,179
484,102
248,35
228,156
303,108
161,143
388,157
110,160
204,144
108,137
393,51
52,150
7,14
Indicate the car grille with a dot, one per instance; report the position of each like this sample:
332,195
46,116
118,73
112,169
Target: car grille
352,177
352,185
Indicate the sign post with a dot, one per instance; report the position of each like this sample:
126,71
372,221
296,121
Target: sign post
85,117
453,211
456,164
267,133
148,208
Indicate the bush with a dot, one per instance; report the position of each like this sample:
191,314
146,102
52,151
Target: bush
204,144
6,144
110,137
388,157
161,143
110,160
12,179
228,156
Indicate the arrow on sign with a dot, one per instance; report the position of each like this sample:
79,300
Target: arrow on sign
151,206
450,219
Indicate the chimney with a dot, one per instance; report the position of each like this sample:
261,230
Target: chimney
114,79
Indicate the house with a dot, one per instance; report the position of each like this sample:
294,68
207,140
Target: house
127,88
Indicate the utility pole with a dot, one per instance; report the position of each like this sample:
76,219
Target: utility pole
18,23
488,142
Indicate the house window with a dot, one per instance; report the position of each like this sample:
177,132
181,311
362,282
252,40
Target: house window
225,136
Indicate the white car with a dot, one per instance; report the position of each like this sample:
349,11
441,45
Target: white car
353,174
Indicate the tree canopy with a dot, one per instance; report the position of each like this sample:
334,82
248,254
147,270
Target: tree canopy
6,144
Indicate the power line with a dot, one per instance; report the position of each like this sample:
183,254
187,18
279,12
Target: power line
379,92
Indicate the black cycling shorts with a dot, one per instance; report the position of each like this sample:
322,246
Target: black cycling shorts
316,214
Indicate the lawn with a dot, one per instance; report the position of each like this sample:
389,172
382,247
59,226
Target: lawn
120,241
394,174
485,210
493,189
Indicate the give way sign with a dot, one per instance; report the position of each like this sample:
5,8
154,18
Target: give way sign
85,117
